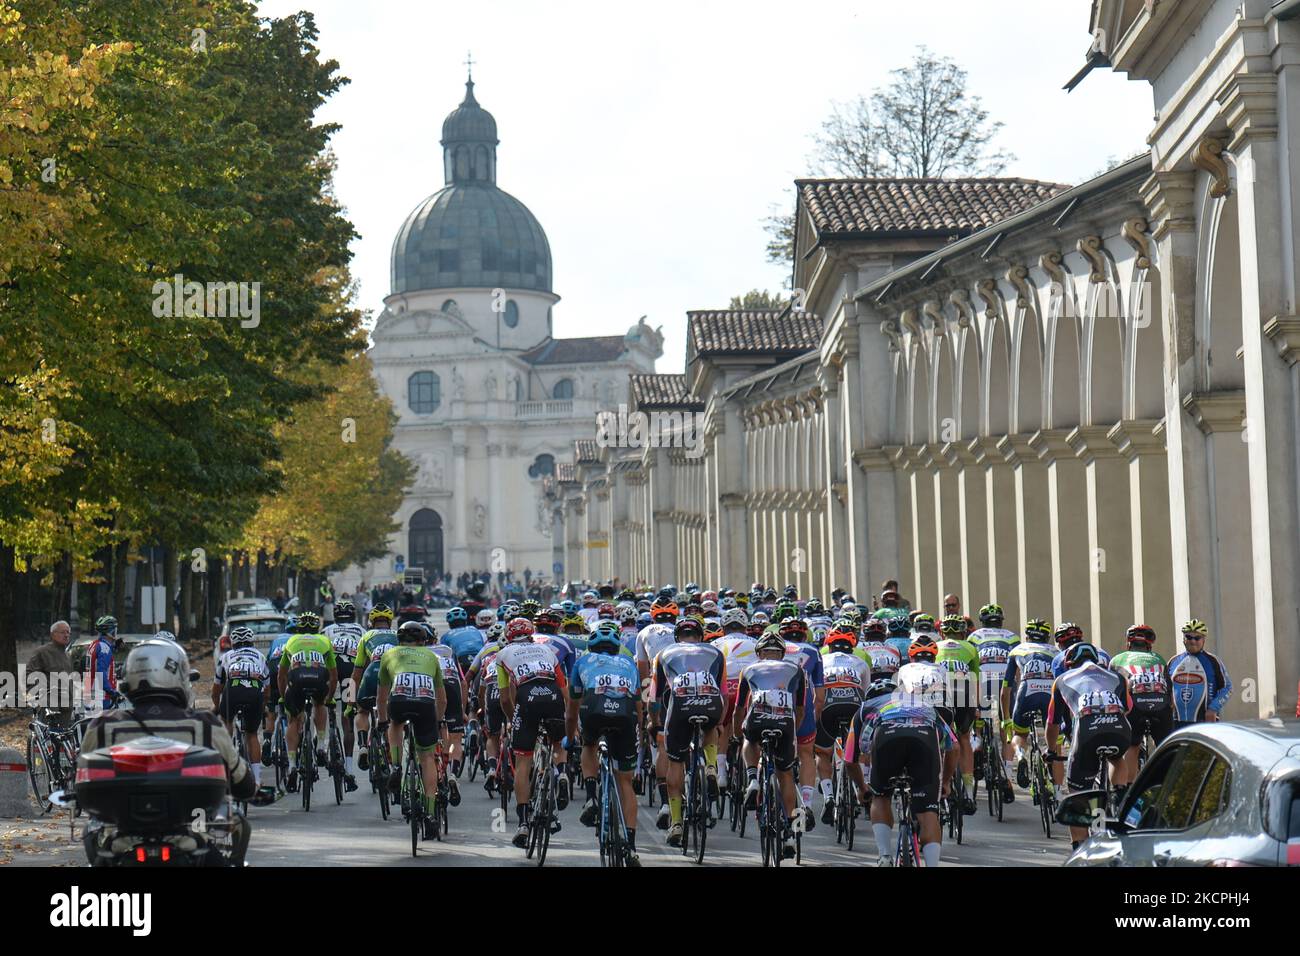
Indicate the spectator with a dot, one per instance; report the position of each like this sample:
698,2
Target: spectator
280,600
60,677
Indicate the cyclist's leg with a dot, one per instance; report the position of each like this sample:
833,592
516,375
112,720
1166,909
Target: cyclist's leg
924,763
887,761
677,739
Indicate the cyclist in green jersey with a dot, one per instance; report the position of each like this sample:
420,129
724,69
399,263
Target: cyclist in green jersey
365,674
994,643
411,689
1147,676
307,667
959,657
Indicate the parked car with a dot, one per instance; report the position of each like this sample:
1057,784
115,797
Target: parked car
1221,794
266,625
245,606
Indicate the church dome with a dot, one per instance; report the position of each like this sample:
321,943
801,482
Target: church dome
470,234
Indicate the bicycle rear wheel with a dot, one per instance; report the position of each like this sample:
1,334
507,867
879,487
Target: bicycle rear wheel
700,813
776,820
38,771
307,762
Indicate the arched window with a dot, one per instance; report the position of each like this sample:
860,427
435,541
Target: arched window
449,305
423,392
512,313
563,389
542,466
424,545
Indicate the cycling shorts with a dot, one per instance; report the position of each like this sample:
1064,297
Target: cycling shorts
677,726
619,733
898,747
455,714
302,682
783,747
1084,763
807,730
538,703
835,719
1023,711
368,688
1159,722
421,713
246,701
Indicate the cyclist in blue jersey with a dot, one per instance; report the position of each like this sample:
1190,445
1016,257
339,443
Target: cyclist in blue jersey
464,639
1067,635
1200,679
100,674
605,700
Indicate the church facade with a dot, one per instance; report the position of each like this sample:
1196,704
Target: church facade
488,399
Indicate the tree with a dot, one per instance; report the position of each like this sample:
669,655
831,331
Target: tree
757,300
924,124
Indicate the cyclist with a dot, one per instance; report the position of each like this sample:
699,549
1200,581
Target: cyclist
898,631
605,700
1067,634
1097,702
481,679
771,696
649,642
239,687
738,651
847,677
627,629
1027,690
453,715
464,639
1201,678
590,610
272,689
370,649
900,731
959,657
486,618
345,634
994,643
532,683
100,674
688,679
1147,677
307,666
795,633
882,656
411,690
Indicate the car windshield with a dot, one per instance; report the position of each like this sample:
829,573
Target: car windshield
268,625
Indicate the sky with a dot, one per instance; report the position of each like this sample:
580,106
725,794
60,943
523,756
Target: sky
651,140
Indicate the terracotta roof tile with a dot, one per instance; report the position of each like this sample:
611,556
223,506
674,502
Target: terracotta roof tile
731,331
662,391
865,206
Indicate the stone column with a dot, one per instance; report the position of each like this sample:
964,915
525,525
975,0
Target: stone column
495,503
1268,292
459,503
1148,483
1032,581
855,437
972,539
1109,536
906,570
833,471
925,530
883,517
951,555
1067,499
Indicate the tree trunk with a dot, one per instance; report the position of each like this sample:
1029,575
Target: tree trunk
169,586
8,624
119,582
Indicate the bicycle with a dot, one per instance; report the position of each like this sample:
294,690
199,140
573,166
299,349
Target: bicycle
413,803
506,770
377,747
1040,787
241,746
908,852
280,748
844,795
51,757
736,787
611,834
773,824
697,817
1106,755
306,764
440,819
645,777
995,773
541,803
474,751
950,809
337,768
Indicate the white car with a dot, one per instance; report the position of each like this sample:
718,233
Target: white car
266,626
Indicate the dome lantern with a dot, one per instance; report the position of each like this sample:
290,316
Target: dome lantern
469,142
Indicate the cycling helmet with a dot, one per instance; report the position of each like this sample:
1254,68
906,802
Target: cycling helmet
606,636
239,636
157,668
785,609
991,615
308,622
547,618
881,687
1080,654
692,588
769,595
742,600
106,624
953,624
345,612
529,609
519,629
842,632
709,596
689,625
734,616
795,629
1038,629
889,597
1067,633
643,620
605,611
899,626
457,617
430,633
710,608
1141,633
484,618
568,608
291,624
923,623
922,645
497,631
663,609
508,611
412,632
590,599
576,621
813,606
770,642
727,603
169,636
875,627
760,617
1195,628
791,592
643,605
627,614
713,630
380,612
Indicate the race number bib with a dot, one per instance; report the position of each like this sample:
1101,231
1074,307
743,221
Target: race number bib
307,658
616,684
695,684
1098,702
413,685
778,703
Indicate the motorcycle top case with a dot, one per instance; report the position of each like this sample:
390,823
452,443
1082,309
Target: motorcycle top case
150,783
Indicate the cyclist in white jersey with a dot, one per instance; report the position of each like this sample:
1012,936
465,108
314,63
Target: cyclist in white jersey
649,642
345,634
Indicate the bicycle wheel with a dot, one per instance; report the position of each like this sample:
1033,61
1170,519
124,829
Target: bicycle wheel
471,756
700,813
776,820
960,809
760,818
851,826
379,766
415,796
38,770
1045,808
307,762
